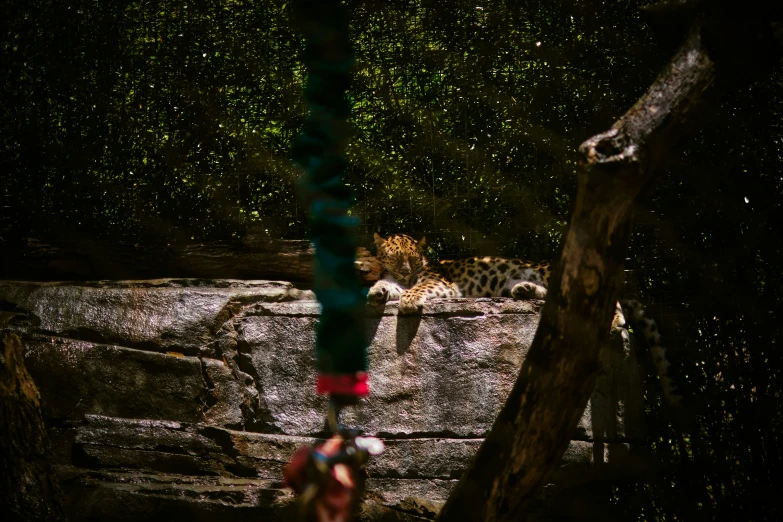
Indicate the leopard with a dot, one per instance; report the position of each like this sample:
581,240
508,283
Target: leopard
409,277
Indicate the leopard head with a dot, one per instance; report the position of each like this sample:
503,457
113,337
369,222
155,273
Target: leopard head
401,256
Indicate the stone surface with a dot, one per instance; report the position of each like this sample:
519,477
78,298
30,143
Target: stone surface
78,377
159,315
463,356
188,397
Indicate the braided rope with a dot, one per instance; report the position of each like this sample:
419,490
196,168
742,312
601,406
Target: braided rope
320,150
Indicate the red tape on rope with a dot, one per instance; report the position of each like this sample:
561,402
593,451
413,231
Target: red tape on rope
350,384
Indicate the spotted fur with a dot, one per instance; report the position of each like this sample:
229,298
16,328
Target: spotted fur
411,279
649,330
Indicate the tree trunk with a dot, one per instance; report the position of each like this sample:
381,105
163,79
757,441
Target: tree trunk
28,485
533,428
90,260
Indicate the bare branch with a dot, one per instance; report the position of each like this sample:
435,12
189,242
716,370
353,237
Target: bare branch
533,429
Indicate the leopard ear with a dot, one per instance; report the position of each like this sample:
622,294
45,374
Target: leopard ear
379,241
422,242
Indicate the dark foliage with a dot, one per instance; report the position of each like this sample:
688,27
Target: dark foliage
171,121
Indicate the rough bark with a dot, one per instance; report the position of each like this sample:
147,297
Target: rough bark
28,486
536,422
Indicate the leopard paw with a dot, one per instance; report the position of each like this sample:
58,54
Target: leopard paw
411,303
528,290
377,295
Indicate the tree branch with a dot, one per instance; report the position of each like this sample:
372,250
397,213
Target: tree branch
534,427
29,489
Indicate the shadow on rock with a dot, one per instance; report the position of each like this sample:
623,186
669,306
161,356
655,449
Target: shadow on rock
407,326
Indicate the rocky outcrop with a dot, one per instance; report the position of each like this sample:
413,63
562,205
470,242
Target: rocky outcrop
174,398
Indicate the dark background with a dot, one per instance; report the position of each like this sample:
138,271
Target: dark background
170,122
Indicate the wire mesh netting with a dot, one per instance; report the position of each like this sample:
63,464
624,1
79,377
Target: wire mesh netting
172,121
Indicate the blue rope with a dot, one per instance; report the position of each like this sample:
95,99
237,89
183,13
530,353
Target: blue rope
320,151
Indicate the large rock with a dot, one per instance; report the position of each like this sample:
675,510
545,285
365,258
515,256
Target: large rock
187,396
